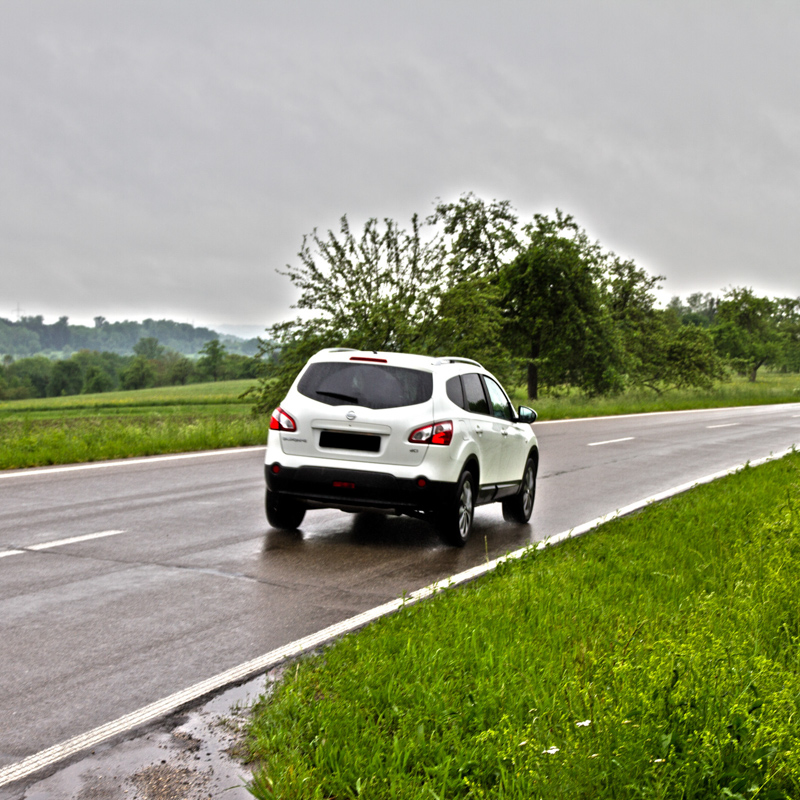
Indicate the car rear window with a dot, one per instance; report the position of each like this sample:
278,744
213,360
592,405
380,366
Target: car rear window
370,385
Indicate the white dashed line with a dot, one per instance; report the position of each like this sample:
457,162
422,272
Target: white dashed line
59,542
724,425
611,441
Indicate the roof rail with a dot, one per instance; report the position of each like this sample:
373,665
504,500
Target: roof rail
338,350
457,360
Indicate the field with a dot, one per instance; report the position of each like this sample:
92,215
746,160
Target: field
769,388
658,657
64,430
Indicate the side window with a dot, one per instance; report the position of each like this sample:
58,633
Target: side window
455,392
500,406
473,394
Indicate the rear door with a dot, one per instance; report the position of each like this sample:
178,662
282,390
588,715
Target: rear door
352,411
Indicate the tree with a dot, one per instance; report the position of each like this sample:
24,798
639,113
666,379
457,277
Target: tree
555,310
96,380
149,347
380,291
787,322
482,237
139,374
745,330
212,361
67,378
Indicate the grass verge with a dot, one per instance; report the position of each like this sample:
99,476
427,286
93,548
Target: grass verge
658,657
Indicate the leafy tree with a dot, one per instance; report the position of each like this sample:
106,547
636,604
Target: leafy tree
787,322
556,314
380,291
699,309
67,378
482,237
149,347
178,368
139,374
470,324
34,374
212,361
96,380
745,330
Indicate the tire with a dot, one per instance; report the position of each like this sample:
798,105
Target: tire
519,507
284,513
454,519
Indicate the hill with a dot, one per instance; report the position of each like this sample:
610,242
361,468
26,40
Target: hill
31,336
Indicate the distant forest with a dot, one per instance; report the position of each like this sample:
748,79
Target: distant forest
32,336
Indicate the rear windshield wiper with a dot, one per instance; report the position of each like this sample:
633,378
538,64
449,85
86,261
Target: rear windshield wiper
346,397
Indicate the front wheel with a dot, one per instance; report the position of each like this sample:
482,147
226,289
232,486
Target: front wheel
519,507
284,513
454,519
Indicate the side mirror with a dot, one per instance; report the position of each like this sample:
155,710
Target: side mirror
526,414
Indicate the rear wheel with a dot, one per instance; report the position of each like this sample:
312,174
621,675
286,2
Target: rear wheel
283,512
454,519
519,507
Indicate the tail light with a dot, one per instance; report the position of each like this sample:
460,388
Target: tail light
435,433
281,421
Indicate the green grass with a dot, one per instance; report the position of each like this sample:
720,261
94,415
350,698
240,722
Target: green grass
220,393
658,657
64,430
769,388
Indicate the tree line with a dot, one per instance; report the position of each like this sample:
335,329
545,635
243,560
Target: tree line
539,304
150,364
31,335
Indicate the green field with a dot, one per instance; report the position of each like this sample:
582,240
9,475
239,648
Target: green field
658,657
769,388
64,430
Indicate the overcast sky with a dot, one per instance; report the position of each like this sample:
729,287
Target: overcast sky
162,159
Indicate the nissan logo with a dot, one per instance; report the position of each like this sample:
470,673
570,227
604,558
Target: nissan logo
351,415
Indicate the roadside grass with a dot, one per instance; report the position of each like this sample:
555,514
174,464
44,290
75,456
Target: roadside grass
64,430
658,657
769,388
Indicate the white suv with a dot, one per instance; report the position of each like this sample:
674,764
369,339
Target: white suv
406,434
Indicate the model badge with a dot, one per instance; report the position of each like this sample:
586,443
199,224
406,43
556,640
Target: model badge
351,415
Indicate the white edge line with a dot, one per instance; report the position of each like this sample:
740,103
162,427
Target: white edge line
34,471
724,425
168,705
11,553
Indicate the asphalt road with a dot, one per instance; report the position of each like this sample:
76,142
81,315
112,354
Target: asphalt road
192,581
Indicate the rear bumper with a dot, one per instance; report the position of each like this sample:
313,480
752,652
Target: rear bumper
353,489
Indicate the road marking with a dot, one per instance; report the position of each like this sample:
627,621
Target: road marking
168,705
725,425
611,441
59,542
33,472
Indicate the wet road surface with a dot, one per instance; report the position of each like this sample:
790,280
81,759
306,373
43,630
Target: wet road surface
123,583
